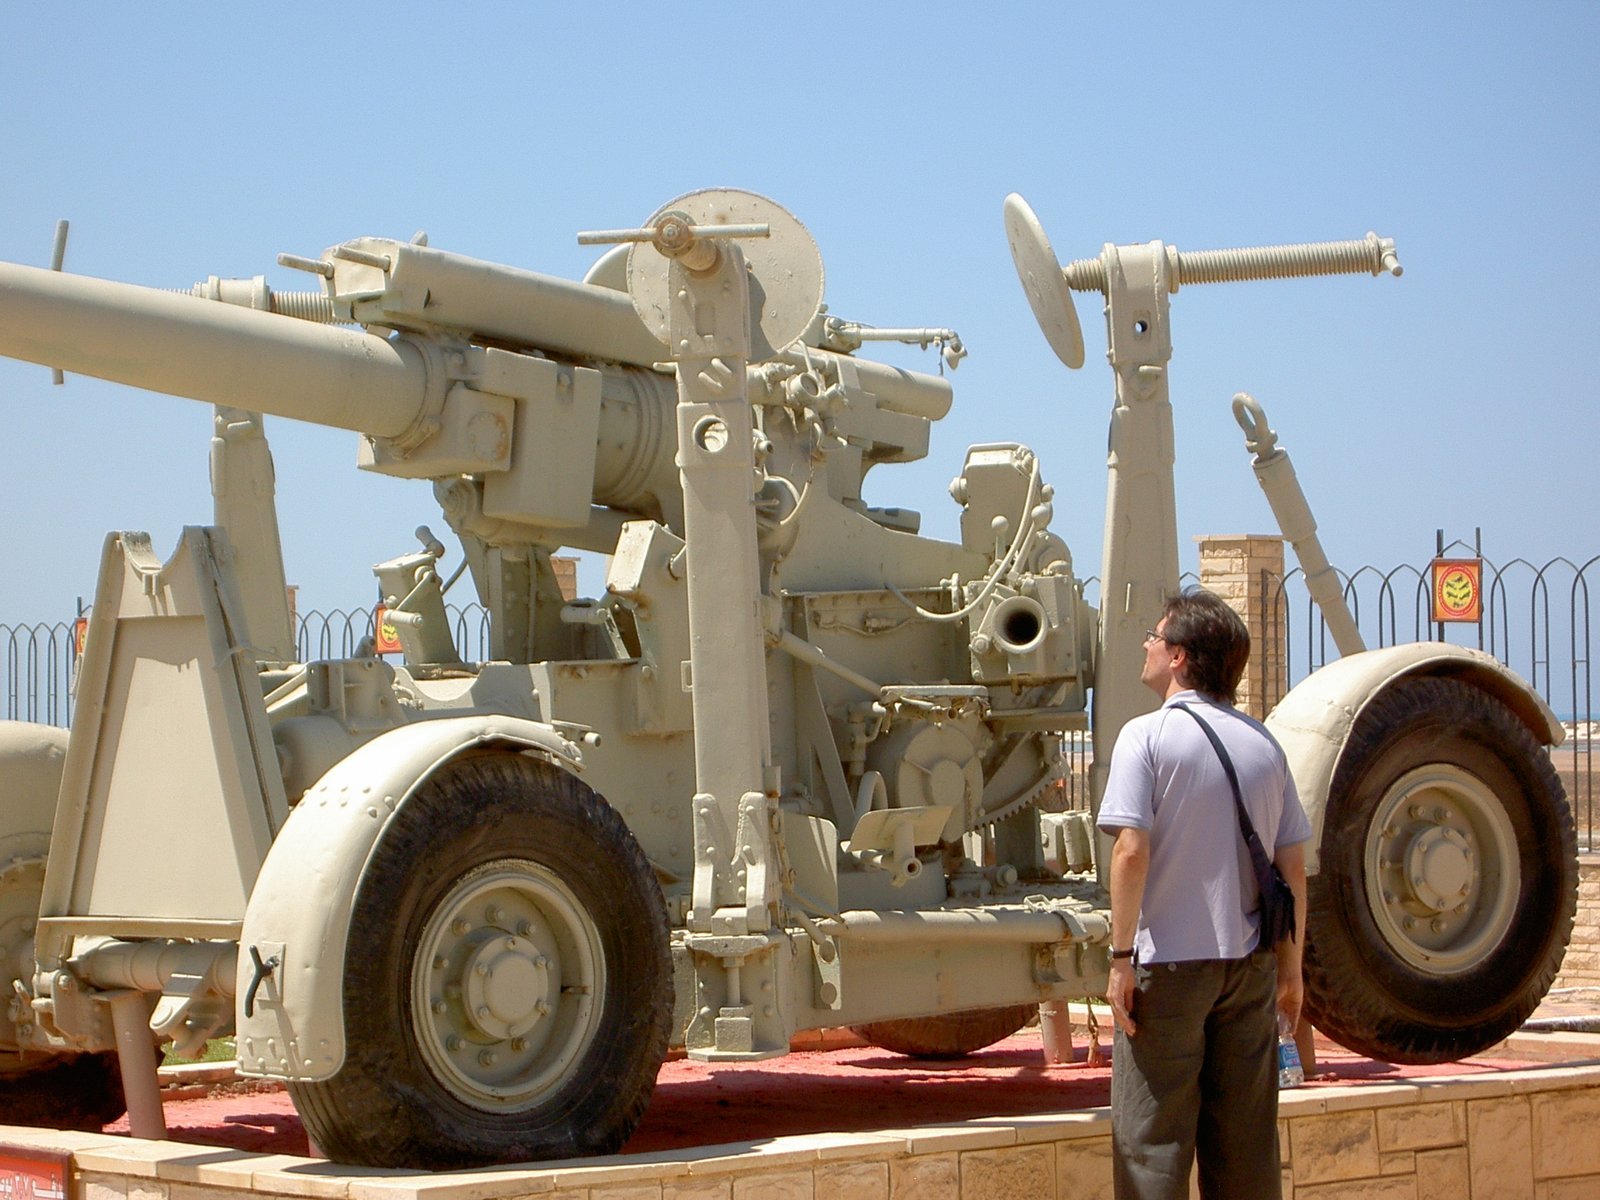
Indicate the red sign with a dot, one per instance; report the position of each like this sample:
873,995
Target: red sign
386,640
1458,589
28,1174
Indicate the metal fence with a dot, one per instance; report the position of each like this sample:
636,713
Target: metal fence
39,660
1537,619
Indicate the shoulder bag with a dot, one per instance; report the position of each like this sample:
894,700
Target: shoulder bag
1277,899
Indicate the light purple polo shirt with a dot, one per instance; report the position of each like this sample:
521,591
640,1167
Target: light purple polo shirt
1200,897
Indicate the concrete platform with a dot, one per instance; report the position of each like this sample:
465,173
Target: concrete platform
858,1122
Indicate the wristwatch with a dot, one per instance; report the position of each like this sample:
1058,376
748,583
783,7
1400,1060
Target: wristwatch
1128,953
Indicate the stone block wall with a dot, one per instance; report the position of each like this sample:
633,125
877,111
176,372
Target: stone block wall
1516,1135
1245,570
1581,967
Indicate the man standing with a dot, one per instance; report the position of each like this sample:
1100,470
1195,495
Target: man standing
1194,1068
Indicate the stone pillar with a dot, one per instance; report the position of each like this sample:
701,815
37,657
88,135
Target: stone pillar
1246,570
566,570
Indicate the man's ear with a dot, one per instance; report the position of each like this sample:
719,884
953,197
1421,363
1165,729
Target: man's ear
1180,664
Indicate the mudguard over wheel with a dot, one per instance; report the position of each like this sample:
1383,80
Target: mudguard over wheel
1448,878
949,1035
507,990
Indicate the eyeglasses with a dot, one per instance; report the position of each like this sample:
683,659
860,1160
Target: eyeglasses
1150,635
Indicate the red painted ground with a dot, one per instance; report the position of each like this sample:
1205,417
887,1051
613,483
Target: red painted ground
846,1090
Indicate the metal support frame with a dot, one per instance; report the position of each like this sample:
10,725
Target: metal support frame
1140,565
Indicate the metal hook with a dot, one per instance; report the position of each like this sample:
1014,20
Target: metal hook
1252,418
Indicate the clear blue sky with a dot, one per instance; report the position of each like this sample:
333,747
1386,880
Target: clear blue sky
190,140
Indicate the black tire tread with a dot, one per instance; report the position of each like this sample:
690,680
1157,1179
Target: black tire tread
948,1035
1346,996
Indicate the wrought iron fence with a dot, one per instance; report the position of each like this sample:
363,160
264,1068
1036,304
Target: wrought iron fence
1537,619
340,633
39,660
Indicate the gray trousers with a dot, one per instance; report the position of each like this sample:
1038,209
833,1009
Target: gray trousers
1199,1077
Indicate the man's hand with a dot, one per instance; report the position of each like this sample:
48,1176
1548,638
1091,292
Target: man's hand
1291,863
1120,993
1291,993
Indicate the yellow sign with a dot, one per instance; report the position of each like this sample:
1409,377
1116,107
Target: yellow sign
386,639
1458,589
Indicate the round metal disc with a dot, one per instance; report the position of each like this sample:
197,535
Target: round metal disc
785,269
610,270
1040,272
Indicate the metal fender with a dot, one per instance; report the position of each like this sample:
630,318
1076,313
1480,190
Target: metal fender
1313,721
292,950
31,758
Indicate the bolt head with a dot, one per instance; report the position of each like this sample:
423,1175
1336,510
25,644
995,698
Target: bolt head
487,1057
438,1007
542,1007
453,1043
439,962
518,1045
460,926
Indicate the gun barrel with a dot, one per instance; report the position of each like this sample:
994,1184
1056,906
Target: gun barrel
219,353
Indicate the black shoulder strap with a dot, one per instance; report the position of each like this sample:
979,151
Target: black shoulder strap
1258,855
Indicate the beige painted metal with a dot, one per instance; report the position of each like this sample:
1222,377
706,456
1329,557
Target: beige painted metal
1275,473
244,505
136,1059
164,666
218,353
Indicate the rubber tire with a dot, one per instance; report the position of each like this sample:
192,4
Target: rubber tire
385,1107
75,1091
1359,991
949,1035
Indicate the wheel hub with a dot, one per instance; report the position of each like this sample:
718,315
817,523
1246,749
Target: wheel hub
505,985
1441,868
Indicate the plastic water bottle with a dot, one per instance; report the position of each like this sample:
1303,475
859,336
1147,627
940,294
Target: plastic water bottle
1290,1072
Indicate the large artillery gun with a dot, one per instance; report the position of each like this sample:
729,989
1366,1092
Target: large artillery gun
784,774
